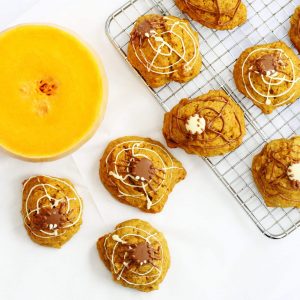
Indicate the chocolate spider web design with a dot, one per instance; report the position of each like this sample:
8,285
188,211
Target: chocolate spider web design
138,182
169,50
54,230
270,80
218,13
278,163
210,121
120,239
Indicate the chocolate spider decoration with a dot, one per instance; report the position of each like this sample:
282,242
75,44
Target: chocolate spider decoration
141,169
50,218
139,254
269,64
144,28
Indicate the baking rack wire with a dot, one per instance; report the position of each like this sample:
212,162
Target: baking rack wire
268,21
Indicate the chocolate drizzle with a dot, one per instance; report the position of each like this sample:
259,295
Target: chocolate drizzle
211,116
273,174
218,14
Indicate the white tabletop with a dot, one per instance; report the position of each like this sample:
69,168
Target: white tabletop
217,252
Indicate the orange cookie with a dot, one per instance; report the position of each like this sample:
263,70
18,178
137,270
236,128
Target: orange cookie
276,172
51,209
269,75
216,14
136,254
140,172
164,49
209,125
295,28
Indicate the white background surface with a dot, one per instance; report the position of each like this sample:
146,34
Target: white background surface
217,252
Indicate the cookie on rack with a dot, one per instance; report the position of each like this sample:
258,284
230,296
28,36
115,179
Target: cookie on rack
215,14
51,210
295,28
140,172
209,125
276,172
269,75
164,49
136,254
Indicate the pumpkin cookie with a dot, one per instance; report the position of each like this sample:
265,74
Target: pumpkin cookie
276,172
269,75
136,254
164,49
209,125
295,28
216,14
140,172
51,210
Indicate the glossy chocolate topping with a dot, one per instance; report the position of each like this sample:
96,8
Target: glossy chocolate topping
143,29
142,253
266,64
50,218
143,168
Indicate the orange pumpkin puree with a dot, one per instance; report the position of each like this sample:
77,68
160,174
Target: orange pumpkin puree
52,92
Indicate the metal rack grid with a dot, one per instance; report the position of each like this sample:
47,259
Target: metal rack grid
268,21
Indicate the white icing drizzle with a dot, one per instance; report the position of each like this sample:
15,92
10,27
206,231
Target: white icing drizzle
143,236
163,48
272,78
116,238
293,172
195,124
52,231
136,150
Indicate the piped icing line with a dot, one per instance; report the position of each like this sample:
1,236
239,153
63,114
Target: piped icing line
164,70
53,232
136,145
146,237
268,97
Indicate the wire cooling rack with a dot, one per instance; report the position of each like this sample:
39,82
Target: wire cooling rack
268,21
